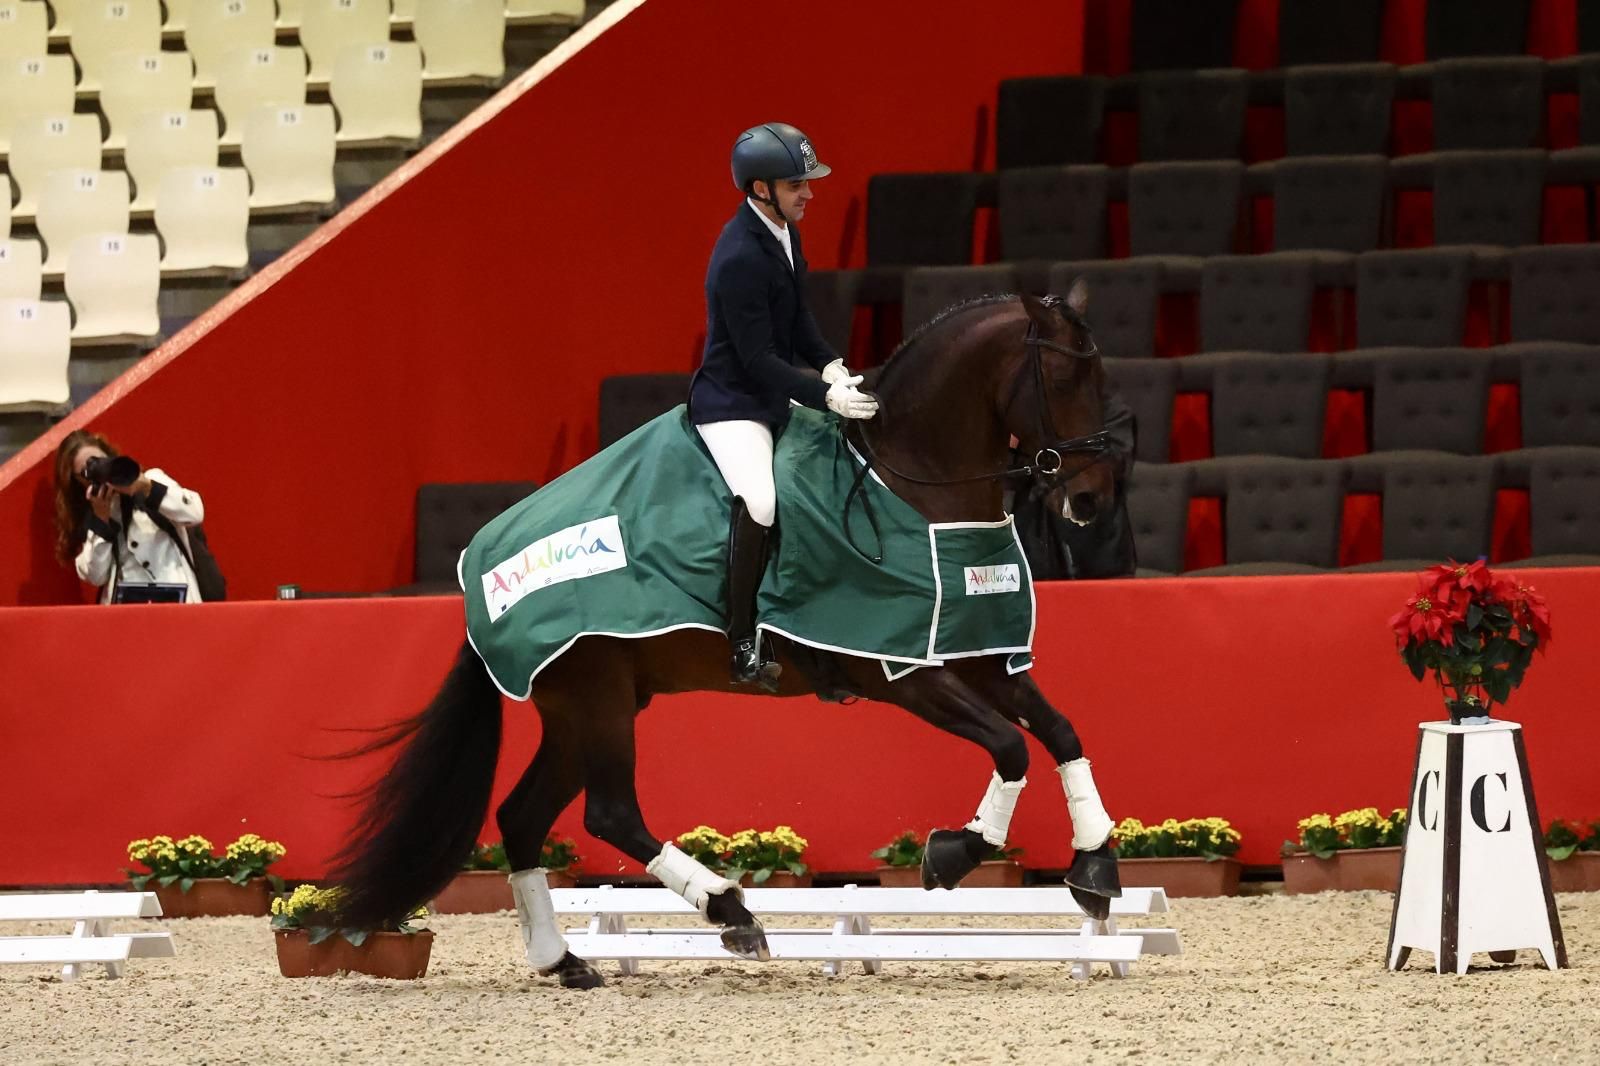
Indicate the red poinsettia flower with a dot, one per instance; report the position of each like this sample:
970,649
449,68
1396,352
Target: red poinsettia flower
1529,609
1471,578
1426,617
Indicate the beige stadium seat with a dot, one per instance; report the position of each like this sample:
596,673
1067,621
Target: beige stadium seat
75,202
101,28
135,83
177,19
203,215
33,87
36,342
461,40
216,28
113,281
544,12
327,27
162,140
377,90
289,14
289,153
21,270
54,142
24,29
247,78
403,12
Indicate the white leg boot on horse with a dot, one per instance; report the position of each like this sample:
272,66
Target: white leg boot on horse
954,850
542,940
716,898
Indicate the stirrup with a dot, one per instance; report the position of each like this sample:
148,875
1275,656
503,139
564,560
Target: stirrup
748,667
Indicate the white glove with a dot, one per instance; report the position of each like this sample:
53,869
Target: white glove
847,401
835,371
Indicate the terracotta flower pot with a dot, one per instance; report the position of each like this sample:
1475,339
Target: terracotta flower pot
211,897
487,891
997,873
403,956
779,879
1369,868
1189,875
1304,873
900,876
1578,872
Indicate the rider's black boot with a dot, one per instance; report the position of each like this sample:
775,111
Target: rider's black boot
747,559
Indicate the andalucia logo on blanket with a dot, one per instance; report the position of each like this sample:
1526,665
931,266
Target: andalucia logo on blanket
577,551
988,580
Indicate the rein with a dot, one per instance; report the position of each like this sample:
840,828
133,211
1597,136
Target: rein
1094,444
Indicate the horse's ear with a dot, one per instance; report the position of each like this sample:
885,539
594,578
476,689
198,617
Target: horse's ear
1041,315
1078,296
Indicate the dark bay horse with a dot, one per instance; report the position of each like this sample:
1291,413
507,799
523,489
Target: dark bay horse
953,398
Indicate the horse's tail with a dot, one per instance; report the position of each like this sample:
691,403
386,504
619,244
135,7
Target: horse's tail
422,818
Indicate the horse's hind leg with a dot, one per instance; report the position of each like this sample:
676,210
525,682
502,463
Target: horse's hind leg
609,703
551,781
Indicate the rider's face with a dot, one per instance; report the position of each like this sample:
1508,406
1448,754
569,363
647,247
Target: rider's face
793,196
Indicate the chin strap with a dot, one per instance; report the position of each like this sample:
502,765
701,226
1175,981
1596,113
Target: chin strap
770,201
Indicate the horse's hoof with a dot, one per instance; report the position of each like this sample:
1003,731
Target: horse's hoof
946,858
1503,957
576,973
1094,881
1096,907
747,942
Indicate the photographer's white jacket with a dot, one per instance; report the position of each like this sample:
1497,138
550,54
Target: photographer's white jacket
148,554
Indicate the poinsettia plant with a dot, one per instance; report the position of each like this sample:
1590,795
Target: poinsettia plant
1477,631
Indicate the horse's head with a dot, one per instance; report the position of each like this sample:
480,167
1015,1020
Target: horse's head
1054,406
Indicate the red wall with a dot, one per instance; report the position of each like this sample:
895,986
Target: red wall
456,325
1259,700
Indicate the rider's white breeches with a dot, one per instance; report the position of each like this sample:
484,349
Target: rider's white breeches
743,452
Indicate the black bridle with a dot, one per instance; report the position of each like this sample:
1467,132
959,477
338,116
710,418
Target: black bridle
1042,472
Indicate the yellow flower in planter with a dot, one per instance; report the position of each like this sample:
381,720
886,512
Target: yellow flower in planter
314,910
195,845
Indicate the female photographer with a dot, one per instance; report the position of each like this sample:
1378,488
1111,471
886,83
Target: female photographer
128,532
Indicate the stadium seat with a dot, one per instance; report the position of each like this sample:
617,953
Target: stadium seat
462,40
1339,110
1182,34
1564,507
1588,26
1328,204
24,30
1412,297
1150,386
134,83
1178,212
1191,114
1580,165
36,337
1281,516
1488,103
1475,28
328,27
628,401
21,269
1051,213
101,29
377,91
1158,510
248,78
160,141
1315,31
1435,507
1430,399
1267,404
1043,122
32,88
177,16
217,28
1560,396
1492,199
831,296
203,216
289,13
448,516
916,220
289,152
1555,293
543,12
112,282
932,290
42,145
1123,299
1256,302
76,202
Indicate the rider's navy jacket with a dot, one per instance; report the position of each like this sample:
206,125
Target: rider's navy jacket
759,332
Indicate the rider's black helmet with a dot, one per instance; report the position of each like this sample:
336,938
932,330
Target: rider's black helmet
772,152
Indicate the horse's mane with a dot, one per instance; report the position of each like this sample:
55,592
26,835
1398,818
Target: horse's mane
917,335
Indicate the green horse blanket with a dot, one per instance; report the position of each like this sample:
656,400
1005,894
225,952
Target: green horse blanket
633,543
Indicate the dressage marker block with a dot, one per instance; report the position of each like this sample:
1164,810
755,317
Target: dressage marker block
90,942
853,937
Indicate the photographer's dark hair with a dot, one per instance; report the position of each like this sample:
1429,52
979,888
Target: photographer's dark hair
72,509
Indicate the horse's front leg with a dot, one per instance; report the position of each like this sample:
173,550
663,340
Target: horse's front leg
1093,875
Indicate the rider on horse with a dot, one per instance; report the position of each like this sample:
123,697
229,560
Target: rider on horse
763,350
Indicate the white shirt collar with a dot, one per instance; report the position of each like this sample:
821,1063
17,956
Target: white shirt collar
780,232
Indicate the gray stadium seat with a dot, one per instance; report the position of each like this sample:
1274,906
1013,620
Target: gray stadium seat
1560,395
831,295
1158,508
1327,203
1179,212
1555,293
1475,28
1412,297
1256,302
1315,31
1435,507
930,290
1191,114
628,401
920,219
1124,295
1338,110
1281,516
448,516
1431,399
1488,198
1264,404
1181,34
1488,103
1564,501
1149,386
1049,214
1581,165
1044,122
